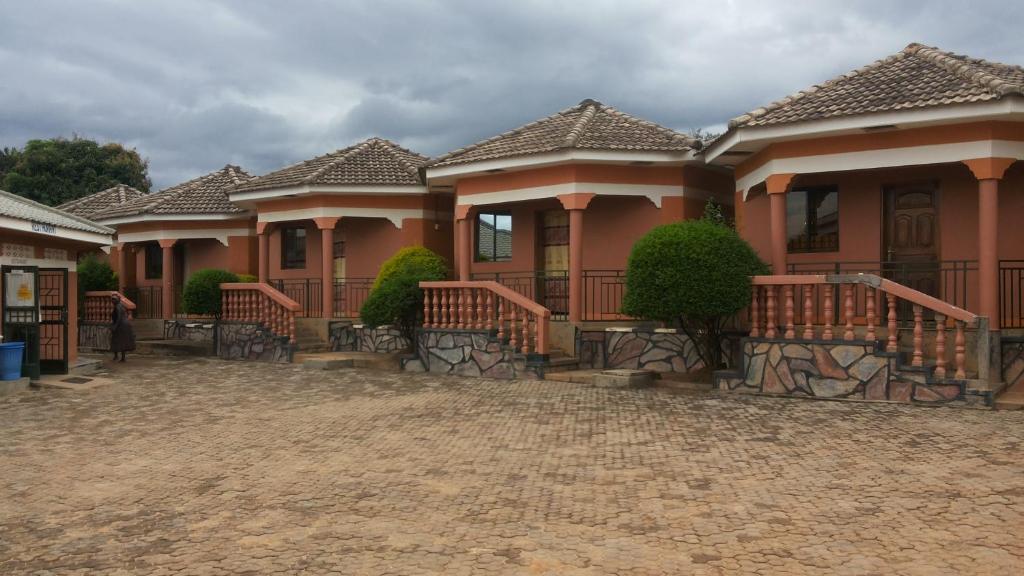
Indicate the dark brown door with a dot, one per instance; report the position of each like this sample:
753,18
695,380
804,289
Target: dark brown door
911,237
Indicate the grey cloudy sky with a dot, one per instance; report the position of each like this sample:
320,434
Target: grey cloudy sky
194,85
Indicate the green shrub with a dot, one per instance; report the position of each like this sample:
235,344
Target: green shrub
248,278
398,301
413,260
95,274
694,274
202,292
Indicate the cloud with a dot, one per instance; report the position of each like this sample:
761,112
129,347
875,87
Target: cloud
194,84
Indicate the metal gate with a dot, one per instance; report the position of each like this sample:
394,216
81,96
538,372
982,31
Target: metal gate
53,320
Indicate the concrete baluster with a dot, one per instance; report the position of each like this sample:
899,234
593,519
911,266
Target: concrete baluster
961,351
809,312
790,331
918,358
769,331
940,346
869,294
526,332
848,313
501,319
892,344
755,316
479,297
826,334
512,335
490,312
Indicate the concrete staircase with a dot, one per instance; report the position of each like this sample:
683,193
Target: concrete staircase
309,339
559,361
1012,398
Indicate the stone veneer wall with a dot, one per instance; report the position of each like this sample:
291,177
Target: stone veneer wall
469,353
345,336
248,341
191,331
660,350
827,369
93,336
1013,360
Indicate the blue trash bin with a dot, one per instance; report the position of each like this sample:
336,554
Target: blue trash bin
10,360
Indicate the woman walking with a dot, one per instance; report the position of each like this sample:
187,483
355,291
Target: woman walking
122,335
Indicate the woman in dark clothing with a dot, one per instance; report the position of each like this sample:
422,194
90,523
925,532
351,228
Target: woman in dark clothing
122,335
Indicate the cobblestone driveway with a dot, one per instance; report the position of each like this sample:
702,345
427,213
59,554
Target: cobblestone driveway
206,467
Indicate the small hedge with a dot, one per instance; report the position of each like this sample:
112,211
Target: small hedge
413,261
202,292
95,274
695,274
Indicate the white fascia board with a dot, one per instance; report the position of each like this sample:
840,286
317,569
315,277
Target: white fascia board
883,158
172,217
58,232
39,263
326,190
1007,108
653,192
561,157
219,234
395,215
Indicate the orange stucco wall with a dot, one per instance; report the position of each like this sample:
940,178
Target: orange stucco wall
861,224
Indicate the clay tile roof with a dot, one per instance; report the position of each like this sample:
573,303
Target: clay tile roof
589,125
917,77
374,162
89,206
206,194
14,206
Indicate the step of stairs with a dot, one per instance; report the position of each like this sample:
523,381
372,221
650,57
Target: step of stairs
1012,398
339,360
174,348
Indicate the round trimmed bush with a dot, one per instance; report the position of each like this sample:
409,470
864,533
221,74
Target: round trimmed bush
202,292
695,274
398,302
415,261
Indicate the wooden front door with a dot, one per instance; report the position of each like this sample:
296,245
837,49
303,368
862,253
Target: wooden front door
911,237
554,282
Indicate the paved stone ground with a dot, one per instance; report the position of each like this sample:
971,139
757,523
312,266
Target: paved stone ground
209,467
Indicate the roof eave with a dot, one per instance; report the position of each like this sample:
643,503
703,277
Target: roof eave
247,196
446,171
754,138
148,217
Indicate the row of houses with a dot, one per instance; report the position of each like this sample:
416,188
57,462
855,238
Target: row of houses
906,168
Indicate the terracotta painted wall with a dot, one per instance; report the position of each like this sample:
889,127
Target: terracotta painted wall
860,214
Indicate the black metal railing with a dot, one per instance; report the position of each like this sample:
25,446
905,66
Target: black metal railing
549,288
306,291
1011,297
349,295
149,302
603,291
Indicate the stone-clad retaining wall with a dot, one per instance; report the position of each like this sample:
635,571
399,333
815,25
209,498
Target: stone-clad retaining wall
660,350
247,341
1013,360
469,353
827,369
348,337
93,336
193,331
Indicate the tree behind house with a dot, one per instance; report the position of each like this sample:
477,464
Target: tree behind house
58,170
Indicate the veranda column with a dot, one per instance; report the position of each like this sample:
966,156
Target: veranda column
988,171
463,250
778,186
326,226
576,204
167,278
122,267
263,230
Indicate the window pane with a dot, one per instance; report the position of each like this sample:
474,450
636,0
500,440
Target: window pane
503,237
493,237
485,238
796,221
154,263
293,247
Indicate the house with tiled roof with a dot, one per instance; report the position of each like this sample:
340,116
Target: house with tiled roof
166,236
39,249
325,225
907,169
99,202
552,208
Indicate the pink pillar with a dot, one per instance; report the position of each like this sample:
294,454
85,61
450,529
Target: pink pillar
778,185
463,250
575,204
326,226
263,240
988,171
167,280
122,267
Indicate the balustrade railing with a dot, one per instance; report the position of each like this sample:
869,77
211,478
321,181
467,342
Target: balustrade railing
260,304
804,307
97,306
1011,295
349,295
548,287
487,305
